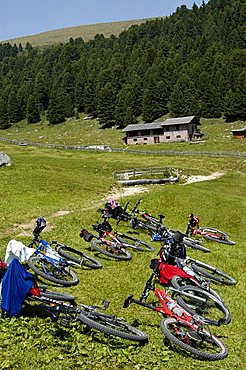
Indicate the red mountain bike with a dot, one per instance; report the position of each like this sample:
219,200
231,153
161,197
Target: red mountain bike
181,328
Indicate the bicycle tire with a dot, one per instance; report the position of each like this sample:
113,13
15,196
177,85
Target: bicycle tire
64,272
57,296
215,235
138,224
136,243
111,251
180,334
112,325
212,273
194,244
213,310
177,282
84,259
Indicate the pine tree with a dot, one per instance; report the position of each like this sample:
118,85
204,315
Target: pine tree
106,106
124,107
41,90
150,108
32,113
4,119
56,109
235,101
183,99
14,112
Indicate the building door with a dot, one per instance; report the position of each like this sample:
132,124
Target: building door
156,139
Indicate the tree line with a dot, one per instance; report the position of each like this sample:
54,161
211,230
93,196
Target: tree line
190,63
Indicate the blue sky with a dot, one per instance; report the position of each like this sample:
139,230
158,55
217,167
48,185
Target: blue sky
29,17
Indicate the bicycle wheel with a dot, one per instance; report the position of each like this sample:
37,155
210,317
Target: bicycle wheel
57,296
177,282
111,325
200,343
188,242
55,273
78,258
212,273
136,243
200,302
215,235
138,224
109,250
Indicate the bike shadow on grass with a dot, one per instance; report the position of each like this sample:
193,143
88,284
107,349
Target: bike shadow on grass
64,330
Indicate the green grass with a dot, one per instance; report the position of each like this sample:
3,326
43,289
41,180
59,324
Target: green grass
79,132
87,32
44,181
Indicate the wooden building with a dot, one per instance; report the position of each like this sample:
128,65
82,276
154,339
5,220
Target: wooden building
171,130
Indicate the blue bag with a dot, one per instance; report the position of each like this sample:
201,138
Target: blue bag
16,283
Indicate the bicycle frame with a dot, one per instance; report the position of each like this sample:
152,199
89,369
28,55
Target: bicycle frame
45,250
182,316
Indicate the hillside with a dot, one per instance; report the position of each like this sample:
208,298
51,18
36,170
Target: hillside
138,75
87,32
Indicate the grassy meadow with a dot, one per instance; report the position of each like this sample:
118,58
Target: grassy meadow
87,32
66,188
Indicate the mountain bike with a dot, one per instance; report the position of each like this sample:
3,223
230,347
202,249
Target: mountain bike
162,233
106,242
211,306
62,306
210,234
174,253
155,227
183,329
133,242
53,264
131,217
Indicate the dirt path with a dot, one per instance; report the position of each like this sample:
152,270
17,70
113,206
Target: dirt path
213,176
116,193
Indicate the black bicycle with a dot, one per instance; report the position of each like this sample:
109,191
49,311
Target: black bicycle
63,307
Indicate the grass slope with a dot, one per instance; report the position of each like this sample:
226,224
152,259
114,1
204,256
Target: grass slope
80,132
47,181
87,32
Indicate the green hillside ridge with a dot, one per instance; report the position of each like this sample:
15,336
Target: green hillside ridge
87,32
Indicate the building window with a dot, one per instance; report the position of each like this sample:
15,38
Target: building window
145,138
145,132
178,137
167,137
158,131
132,133
135,139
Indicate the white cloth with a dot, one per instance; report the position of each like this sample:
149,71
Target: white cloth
16,249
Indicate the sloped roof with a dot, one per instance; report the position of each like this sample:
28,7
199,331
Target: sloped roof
156,125
178,121
143,126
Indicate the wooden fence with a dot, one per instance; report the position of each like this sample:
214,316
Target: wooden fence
152,175
99,148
